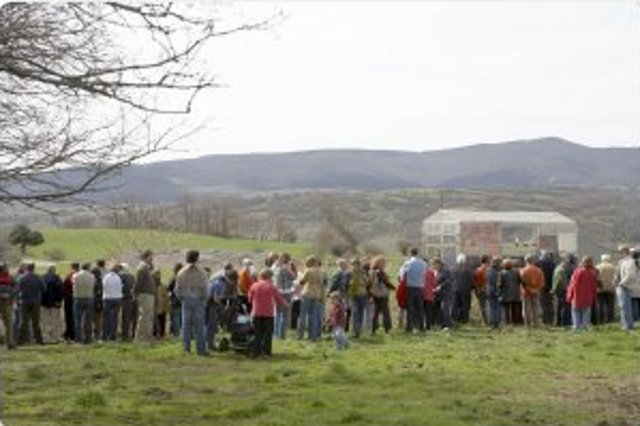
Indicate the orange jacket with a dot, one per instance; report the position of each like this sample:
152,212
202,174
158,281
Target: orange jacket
245,281
532,280
480,278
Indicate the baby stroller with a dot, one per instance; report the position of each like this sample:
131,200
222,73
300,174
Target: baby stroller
236,321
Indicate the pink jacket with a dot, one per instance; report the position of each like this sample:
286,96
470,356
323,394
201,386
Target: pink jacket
263,297
430,285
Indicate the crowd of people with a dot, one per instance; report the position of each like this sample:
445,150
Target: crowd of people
93,302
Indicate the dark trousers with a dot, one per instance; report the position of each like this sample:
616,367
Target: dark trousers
445,311
6,312
83,312
129,315
295,314
160,325
635,308
606,307
110,317
263,329
415,308
430,314
381,306
461,306
512,313
563,310
69,328
30,314
546,305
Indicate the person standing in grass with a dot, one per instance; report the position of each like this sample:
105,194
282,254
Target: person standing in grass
582,293
626,279
67,293
358,295
494,292
548,265
246,278
31,290
380,288
532,283
145,293
414,269
83,304
191,289
606,290
510,296
284,276
264,296
112,300
444,285
51,303
429,298
312,282
175,310
463,285
338,320
129,304
162,306
480,285
561,280
99,272
8,292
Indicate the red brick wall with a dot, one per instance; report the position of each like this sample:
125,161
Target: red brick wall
477,238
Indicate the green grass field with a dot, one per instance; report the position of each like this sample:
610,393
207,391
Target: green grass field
470,377
90,244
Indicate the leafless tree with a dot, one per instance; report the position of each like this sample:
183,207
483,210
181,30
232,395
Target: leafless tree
82,86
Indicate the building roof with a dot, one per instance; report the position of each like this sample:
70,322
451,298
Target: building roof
446,215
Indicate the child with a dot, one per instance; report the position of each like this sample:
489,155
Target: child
338,320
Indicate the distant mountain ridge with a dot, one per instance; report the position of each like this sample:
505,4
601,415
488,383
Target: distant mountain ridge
544,162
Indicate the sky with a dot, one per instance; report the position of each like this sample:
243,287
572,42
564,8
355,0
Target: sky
423,76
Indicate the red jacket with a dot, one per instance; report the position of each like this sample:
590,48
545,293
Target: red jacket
430,286
583,289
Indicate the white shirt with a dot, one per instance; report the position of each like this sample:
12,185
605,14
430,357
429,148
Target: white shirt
111,286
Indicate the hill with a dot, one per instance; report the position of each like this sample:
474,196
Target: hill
544,162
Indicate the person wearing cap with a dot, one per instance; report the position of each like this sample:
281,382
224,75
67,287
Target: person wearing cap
606,290
357,291
8,292
51,303
145,294
626,279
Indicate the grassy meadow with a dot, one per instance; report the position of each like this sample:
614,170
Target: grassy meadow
471,376
91,244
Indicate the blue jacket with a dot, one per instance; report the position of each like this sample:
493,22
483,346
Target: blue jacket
31,289
52,294
493,279
415,270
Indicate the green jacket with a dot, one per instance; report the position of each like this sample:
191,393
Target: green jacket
559,280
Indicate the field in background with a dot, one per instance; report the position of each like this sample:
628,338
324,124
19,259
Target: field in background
91,244
472,376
